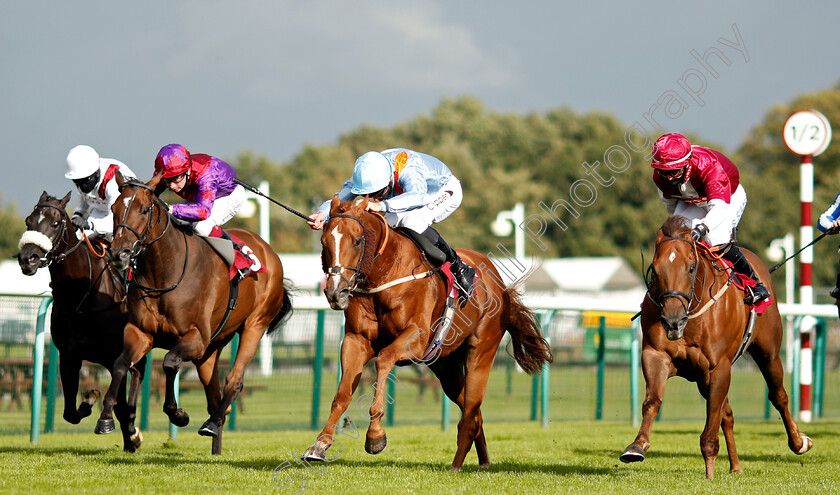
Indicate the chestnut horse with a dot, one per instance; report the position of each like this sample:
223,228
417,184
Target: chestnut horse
391,300
693,325
87,318
178,298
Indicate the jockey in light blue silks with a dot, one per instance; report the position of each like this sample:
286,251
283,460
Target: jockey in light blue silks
830,222
413,190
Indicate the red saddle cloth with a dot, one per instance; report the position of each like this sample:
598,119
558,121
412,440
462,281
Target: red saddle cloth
744,283
244,257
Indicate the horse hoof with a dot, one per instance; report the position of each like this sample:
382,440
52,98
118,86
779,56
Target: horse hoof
179,418
376,445
104,426
633,453
313,454
209,429
90,397
83,411
454,469
807,443
137,438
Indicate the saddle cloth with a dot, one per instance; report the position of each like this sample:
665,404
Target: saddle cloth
745,283
238,256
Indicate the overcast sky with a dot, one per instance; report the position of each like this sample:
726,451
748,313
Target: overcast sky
271,76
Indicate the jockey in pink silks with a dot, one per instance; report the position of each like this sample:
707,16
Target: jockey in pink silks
702,185
205,181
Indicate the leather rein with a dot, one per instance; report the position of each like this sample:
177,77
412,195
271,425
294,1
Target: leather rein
692,302
139,246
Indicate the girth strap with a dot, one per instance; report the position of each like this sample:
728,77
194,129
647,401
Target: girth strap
232,300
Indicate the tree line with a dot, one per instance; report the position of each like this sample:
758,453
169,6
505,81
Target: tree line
555,164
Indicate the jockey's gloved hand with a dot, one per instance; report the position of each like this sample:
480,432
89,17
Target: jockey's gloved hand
699,232
833,230
80,222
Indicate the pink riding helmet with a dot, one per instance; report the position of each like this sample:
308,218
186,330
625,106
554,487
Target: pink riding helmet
671,152
172,160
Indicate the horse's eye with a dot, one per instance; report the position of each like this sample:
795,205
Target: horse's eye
55,224
357,242
146,209
691,268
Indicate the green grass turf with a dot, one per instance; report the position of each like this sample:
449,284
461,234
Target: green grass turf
568,457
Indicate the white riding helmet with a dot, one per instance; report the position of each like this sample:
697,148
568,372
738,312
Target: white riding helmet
371,173
82,161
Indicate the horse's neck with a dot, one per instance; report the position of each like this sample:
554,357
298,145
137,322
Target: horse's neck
162,261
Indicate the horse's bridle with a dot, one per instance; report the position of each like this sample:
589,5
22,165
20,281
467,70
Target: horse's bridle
685,299
63,234
357,277
142,242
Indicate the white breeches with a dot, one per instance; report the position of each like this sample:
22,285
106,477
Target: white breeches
224,209
721,233
442,204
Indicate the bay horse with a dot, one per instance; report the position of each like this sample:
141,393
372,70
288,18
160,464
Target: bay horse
178,300
695,325
87,318
391,300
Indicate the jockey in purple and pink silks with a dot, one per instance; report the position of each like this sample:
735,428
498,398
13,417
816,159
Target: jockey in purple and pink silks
203,180
702,185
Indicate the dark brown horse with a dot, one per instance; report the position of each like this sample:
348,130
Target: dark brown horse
392,300
177,299
87,318
693,325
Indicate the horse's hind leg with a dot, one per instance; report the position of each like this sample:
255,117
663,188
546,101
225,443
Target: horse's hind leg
771,368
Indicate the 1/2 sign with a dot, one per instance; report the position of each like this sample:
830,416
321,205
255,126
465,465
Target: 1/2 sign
807,133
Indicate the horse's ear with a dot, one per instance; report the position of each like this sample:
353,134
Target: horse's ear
362,202
154,181
334,204
44,197
120,179
659,236
63,201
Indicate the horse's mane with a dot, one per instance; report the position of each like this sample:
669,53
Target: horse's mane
676,226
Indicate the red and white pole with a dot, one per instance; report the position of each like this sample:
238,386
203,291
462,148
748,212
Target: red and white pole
806,290
806,133
805,377
806,231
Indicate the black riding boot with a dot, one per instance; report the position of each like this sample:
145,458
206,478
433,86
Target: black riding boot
835,292
464,274
742,266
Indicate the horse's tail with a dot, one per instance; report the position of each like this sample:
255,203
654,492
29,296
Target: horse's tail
285,310
530,350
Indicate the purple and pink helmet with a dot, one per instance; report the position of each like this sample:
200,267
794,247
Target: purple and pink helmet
172,160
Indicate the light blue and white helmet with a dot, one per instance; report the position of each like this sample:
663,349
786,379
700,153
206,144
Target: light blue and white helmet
371,173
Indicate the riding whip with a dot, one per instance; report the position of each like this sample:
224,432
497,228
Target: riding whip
832,231
259,193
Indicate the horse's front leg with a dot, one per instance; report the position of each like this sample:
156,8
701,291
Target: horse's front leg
69,369
355,352
656,367
709,442
375,439
189,347
136,344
